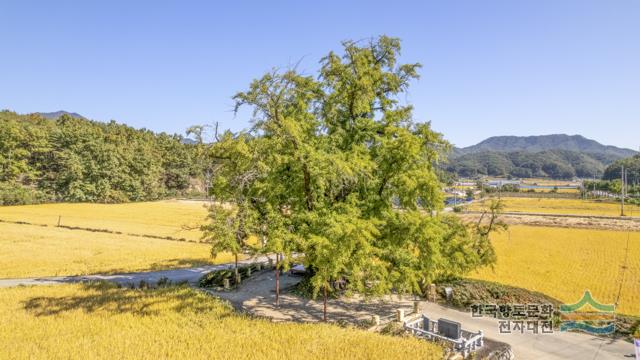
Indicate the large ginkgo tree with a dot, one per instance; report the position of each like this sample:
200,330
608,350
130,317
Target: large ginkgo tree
347,178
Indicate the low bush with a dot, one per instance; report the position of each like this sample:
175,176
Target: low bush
16,194
216,278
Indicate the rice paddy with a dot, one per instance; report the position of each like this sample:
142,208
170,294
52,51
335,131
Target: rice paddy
29,250
563,263
562,206
172,218
100,321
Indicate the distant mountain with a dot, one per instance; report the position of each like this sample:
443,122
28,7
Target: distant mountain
57,114
554,156
576,143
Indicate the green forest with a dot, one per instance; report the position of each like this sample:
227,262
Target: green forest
556,164
77,160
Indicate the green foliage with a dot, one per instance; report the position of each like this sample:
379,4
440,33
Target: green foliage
631,166
326,165
240,210
16,194
509,188
613,186
78,160
216,278
468,292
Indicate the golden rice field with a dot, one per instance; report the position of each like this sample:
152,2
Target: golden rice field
28,250
563,263
562,206
97,321
174,218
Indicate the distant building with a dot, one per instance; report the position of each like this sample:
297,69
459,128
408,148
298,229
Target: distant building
498,183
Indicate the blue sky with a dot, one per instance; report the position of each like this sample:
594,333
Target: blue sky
491,67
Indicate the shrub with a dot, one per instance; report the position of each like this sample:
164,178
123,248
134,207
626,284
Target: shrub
216,278
16,194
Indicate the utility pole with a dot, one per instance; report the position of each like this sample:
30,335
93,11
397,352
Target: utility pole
622,178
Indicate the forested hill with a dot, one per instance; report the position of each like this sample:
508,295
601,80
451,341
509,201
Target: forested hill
555,156
74,159
632,169
576,143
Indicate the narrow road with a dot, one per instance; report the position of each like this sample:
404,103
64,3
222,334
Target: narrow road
191,275
558,345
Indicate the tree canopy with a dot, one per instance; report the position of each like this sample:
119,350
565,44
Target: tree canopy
345,176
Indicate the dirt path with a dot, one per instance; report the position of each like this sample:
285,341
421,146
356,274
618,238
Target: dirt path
565,221
257,296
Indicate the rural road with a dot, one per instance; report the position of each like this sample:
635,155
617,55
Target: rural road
257,296
190,275
559,345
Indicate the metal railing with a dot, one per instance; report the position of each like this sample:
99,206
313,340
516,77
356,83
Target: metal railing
465,344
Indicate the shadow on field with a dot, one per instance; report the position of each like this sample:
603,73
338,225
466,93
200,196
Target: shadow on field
105,297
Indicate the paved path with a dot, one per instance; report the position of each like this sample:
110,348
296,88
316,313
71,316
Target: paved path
191,275
530,346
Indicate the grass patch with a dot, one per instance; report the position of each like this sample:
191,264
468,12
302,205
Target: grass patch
104,321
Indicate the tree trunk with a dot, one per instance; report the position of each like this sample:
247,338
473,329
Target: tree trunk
324,307
237,274
277,279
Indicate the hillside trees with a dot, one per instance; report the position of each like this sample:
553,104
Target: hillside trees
352,177
631,166
557,164
71,159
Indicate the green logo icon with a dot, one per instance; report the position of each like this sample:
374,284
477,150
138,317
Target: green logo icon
588,315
